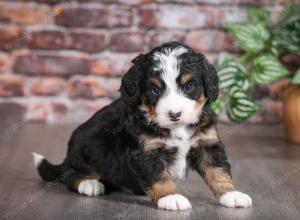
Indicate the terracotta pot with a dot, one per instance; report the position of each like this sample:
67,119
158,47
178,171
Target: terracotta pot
291,113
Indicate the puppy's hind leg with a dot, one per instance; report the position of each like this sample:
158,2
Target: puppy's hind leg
89,185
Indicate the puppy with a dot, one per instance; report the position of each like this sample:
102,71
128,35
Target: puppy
161,126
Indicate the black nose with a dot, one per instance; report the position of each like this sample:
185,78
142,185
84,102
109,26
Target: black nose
174,116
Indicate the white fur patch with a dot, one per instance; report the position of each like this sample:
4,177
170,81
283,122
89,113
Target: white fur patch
37,158
174,202
236,199
173,99
180,138
91,187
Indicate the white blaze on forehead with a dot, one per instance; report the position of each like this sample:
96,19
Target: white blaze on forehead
169,64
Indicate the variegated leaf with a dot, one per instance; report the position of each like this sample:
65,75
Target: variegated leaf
240,106
268,69
232,74
252,37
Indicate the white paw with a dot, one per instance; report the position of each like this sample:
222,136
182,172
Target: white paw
236,199
174,202
91,187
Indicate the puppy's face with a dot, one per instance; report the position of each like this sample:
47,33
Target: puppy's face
171,85
172,92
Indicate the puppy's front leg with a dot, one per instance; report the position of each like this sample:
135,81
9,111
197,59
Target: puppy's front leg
211,162
165,196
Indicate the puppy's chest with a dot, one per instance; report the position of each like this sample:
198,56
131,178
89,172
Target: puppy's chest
180,138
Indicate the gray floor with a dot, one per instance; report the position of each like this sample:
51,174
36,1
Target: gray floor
264,165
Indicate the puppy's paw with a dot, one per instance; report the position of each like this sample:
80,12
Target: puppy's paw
174,202
236,199
91,187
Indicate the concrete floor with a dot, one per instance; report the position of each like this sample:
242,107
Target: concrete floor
264,165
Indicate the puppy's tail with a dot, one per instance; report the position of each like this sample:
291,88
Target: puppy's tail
48,171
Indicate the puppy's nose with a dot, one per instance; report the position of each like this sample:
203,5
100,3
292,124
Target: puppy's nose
174,116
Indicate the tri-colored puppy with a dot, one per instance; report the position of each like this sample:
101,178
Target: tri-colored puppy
161,126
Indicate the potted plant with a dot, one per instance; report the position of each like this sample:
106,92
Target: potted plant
264,45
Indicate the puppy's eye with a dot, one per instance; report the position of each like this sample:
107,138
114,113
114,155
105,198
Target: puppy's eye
156,91
189,87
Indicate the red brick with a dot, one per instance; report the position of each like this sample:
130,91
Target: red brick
47,86
135,2
99,1
127,42
111,64
38,111
163,37
46,39
82,110
209,40
24,13
54,1
216,2
89,88
262,2
175,17
224,15
111,86
148,17
4,63
87,41
65,64
92,17
126,2
11,37
60,110
11,86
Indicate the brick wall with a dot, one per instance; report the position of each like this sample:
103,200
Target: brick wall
60,61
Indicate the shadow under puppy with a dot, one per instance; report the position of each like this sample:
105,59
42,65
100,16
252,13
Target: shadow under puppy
161,126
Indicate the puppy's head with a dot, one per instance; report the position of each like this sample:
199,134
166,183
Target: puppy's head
171,84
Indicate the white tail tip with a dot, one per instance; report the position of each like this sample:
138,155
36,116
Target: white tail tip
37,158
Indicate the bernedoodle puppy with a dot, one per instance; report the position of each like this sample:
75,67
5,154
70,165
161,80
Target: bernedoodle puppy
161,126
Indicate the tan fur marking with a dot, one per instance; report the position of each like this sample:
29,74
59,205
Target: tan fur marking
218,181
156,82
185,78
162,188
205,137
151,143
200,103
151,110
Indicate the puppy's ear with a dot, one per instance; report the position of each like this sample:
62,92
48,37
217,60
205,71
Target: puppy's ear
131,84
138,59
211,82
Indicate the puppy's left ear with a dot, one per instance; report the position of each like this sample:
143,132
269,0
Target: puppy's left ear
131,83
211,82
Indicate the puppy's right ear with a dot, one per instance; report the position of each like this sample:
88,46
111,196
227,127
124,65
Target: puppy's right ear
138,59
131,83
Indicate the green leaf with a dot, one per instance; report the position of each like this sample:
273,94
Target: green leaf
286,33
268,69
232,74
240,106
217,106
289,14
223,58
259,15
296,78
252,37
